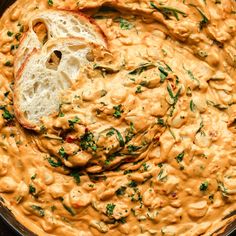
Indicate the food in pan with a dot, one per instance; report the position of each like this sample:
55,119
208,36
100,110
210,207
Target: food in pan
118,117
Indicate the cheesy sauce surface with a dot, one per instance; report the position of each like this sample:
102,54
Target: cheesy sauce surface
144,142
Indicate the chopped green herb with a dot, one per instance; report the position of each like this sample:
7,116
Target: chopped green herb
22,28
69,209
9,33
76,176
172,133
127,172
50,2
8,64
120,191
160,165
6,114
169,89
124,24
203,186
12,47
142,68
122,220
138,89
168,68
129,133
174,97
103,93
203,23
191,76
54,162
110,133
161,176
180,157
108,161
33,176
144,83
189,92
211,198
110,208
32,189
119,138
163,73
218,106
168,11
6,94
118,111
192,106
161,122
61,114
87,142
18,36
42,128
223,189
133,148
200,129
73,122
145,166
38,209
62,153
132,184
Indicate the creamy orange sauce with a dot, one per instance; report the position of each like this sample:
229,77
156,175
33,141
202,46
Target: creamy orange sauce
144,142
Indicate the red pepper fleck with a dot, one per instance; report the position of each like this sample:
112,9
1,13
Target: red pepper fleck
70,139
173,86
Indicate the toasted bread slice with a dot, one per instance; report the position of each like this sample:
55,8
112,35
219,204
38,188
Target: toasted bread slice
52,24
46,73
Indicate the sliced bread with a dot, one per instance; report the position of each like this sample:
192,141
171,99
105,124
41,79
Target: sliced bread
52,24
46,73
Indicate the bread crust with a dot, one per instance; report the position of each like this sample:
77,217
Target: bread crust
20,63
82,17
17,56
92,22
20,116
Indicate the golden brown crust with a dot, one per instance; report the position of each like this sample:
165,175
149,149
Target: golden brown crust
97,28
19,115
81,16
18,51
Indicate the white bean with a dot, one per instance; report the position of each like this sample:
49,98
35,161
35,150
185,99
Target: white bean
99,225
198,209
4,163
7,185
79,198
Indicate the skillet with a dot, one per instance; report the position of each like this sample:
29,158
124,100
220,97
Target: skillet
11,222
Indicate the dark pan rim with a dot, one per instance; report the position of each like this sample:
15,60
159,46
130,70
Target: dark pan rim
7,216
